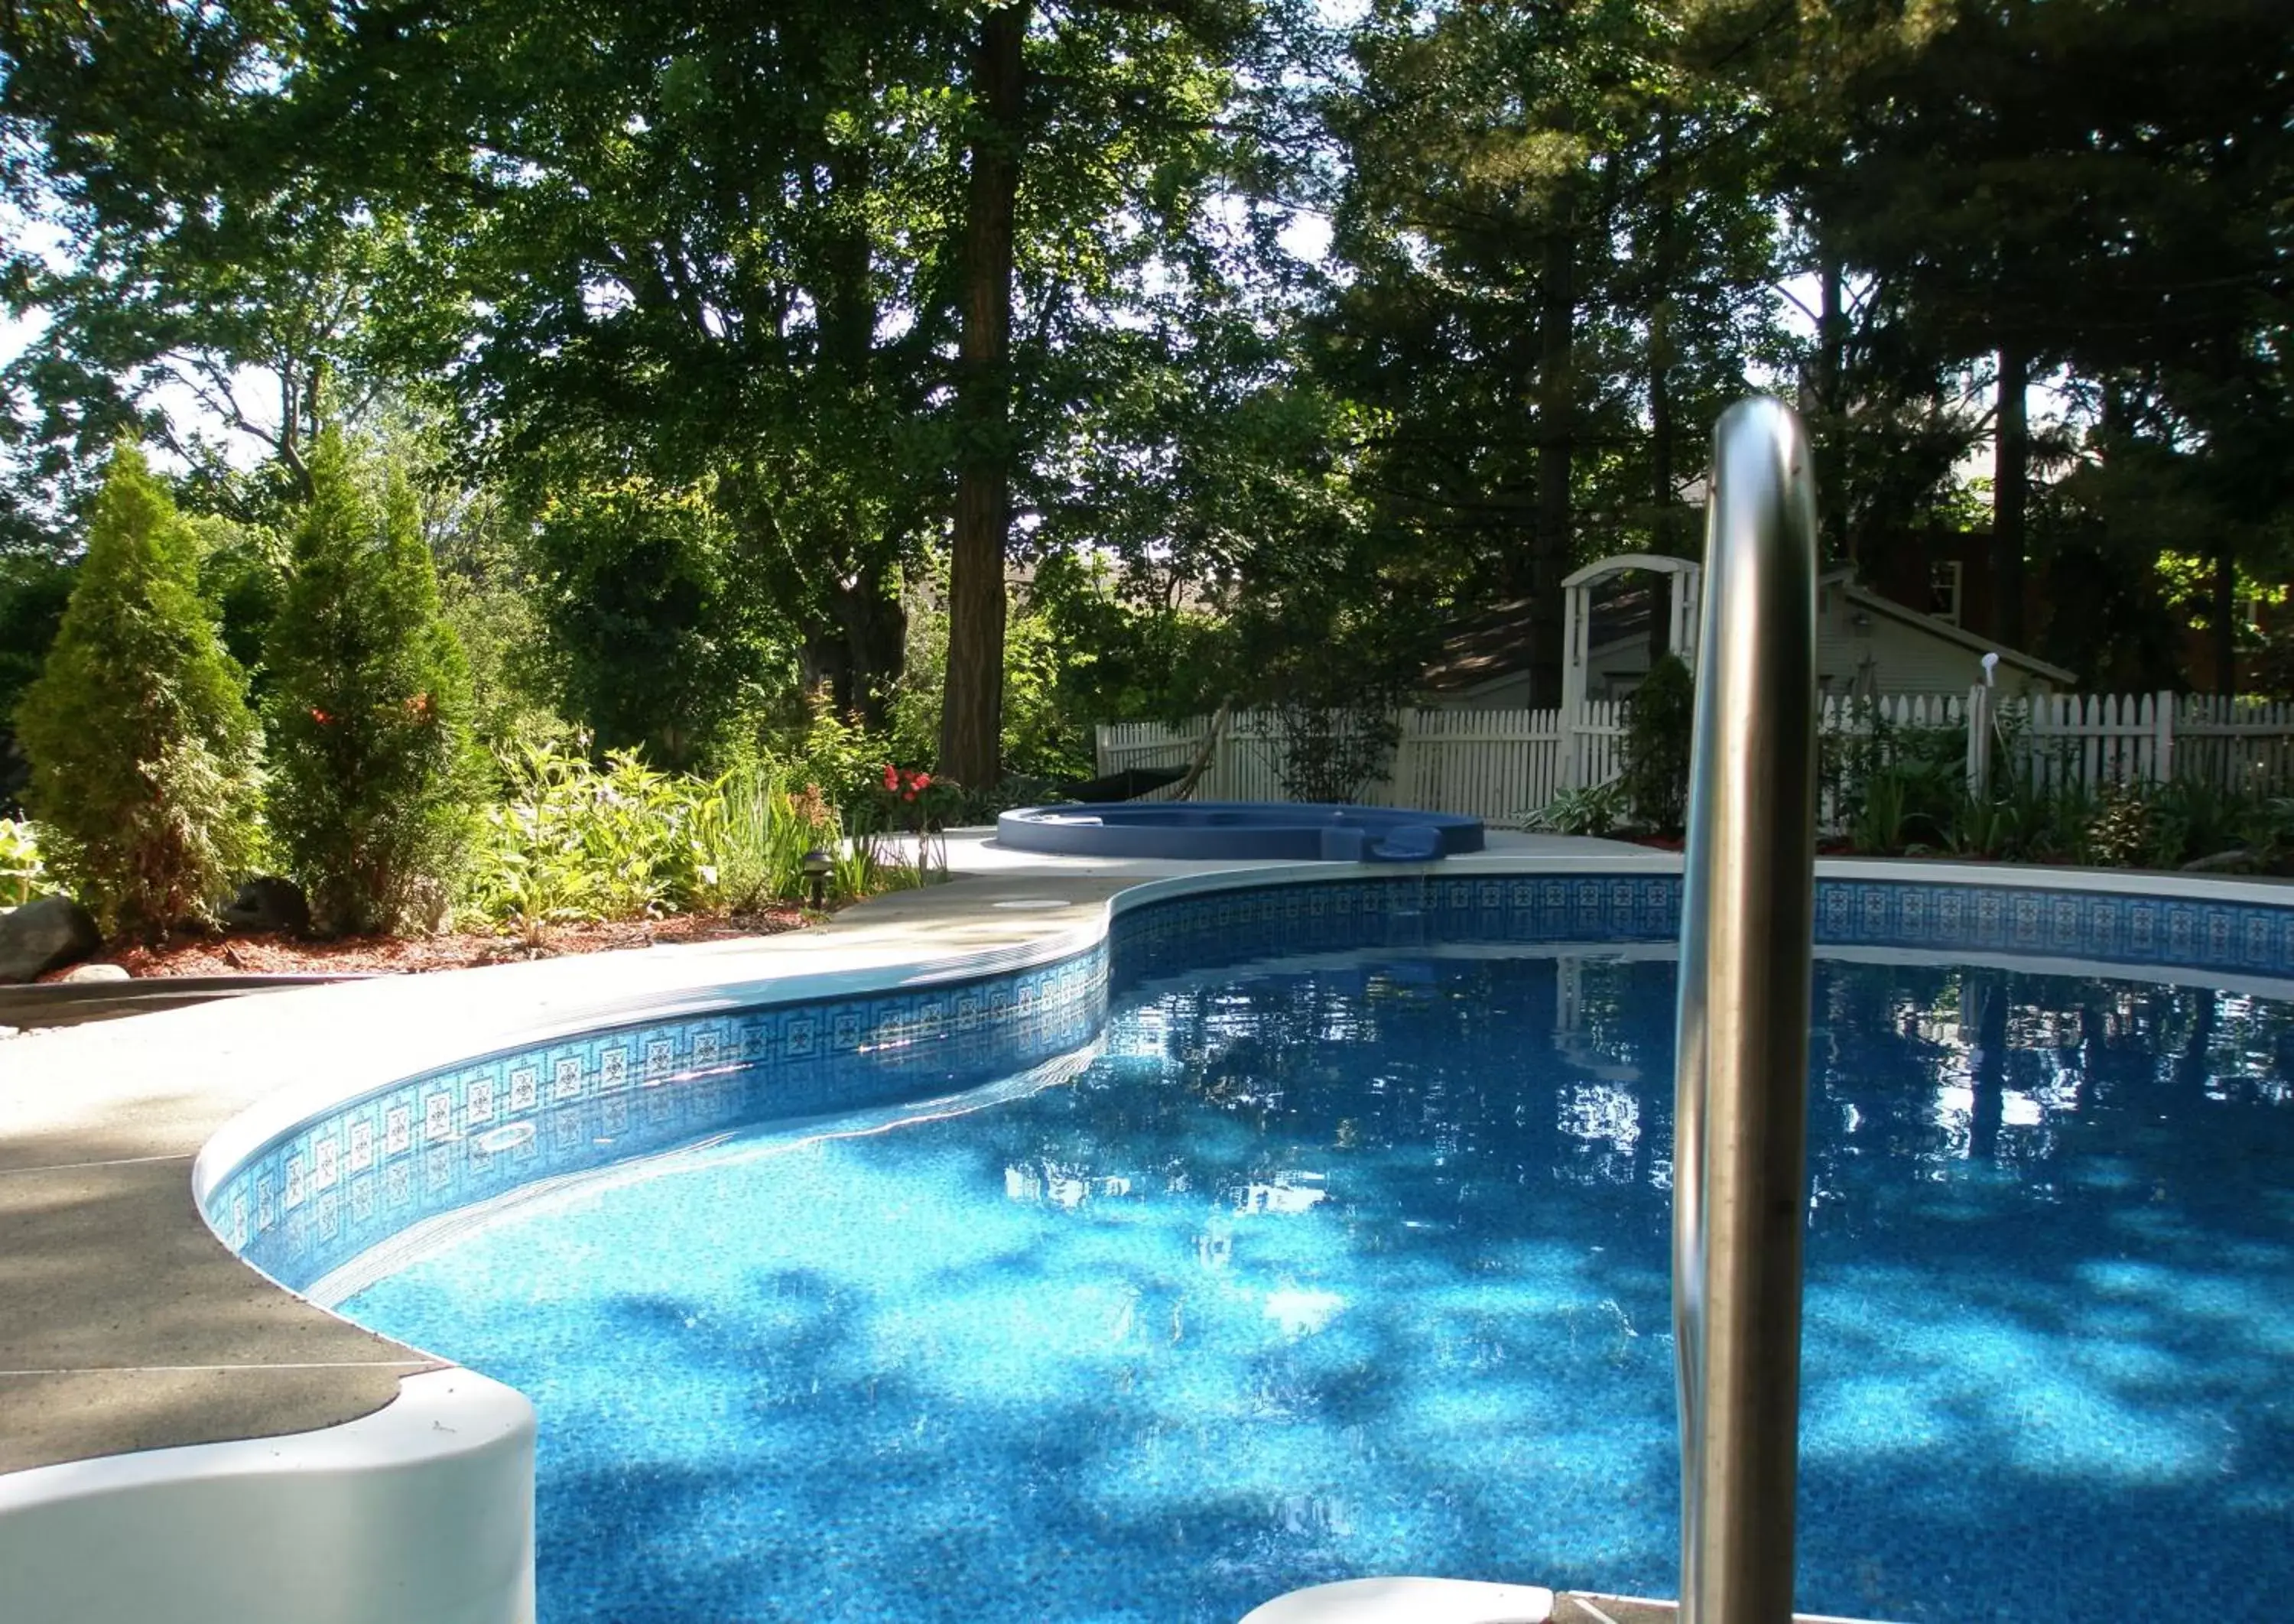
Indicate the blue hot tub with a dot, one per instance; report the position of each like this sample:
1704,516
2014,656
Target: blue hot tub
1245,829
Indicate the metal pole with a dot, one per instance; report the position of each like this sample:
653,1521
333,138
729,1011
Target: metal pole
1740,1129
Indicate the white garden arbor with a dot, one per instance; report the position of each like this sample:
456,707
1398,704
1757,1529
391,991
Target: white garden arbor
1685,591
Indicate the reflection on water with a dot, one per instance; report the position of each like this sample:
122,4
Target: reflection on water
1360,1267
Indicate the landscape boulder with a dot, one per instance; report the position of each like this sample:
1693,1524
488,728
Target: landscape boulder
94,972
43,934
268,903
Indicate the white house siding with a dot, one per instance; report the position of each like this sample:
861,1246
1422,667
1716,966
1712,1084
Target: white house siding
1903,657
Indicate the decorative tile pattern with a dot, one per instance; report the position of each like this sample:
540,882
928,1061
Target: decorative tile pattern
339,1185
343,1183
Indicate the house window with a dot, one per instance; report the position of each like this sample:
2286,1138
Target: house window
1943,590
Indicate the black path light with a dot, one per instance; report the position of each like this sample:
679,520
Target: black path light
818,863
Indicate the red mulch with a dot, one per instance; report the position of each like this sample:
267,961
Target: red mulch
270,954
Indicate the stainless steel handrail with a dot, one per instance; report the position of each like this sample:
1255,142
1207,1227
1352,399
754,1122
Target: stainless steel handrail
1740,1130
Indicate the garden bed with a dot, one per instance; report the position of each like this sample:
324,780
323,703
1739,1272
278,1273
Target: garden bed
272,953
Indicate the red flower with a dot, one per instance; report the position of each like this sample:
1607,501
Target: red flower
319,717
919,781
891,777
911,795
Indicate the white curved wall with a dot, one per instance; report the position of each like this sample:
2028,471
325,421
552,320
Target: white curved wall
420,1513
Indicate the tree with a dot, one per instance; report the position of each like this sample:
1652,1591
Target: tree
642,597
368,708
2032,192
145,758
1557,251
971,715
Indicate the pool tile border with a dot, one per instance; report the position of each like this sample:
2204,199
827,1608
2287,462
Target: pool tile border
319,1195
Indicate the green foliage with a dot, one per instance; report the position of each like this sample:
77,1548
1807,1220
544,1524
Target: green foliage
752,833
145,758
2121,832
839,756
1330,752
368,711
574,841
1896,788
23,875
662,644
1045,734
1597,810
33,590
243,577
1660,718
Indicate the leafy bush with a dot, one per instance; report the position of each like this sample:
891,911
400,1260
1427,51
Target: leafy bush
1593,811
33,593
753,833
2123,830
839,755
145,758
575,842
578,842
1330,752
368,708
1898,788
661,640
23,875
1660,718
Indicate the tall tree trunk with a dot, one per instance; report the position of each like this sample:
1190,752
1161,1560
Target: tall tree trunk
972,709
869,630
1831,409
2010,494
1664,527
1662,492
859,652
2223,613
1548,562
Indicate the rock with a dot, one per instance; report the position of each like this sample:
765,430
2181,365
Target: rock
94,972
268,903
2238,862
43,934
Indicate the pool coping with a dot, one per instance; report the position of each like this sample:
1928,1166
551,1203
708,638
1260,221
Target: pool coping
126,1327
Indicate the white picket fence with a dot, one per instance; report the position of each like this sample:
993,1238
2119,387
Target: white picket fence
2092,740
1504,765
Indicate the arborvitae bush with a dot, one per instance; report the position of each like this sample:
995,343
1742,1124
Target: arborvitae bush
368,710
1661,715
145,758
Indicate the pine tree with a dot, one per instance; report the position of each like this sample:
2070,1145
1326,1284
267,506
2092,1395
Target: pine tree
370,707
145,757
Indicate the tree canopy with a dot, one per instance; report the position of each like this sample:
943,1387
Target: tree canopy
1232,336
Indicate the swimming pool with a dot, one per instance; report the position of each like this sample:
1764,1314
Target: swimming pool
1355,1262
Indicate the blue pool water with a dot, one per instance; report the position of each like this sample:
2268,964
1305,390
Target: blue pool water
1358,1265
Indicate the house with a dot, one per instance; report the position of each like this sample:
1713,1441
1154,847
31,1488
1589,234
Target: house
1865,643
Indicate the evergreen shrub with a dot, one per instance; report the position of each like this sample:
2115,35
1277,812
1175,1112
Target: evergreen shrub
146,762
1660,718
368,710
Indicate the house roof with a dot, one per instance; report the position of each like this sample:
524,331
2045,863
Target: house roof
1493,642
1864,597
